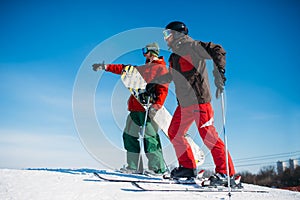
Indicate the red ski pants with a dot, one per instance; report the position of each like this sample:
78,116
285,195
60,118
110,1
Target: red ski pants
202,114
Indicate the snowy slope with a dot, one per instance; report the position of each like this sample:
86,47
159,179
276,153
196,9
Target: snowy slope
81,184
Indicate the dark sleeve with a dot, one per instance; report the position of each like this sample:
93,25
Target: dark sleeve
214,52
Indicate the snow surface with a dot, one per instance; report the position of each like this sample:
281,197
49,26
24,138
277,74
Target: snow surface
77,184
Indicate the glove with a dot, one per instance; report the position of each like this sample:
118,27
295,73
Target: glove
220,79
219,91
150,88
100,66
143,98
151,91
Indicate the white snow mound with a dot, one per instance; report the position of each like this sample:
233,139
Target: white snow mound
81,184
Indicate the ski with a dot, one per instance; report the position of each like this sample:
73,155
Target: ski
153,184
148,188
148,180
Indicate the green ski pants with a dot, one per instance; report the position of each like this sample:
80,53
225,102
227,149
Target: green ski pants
152,144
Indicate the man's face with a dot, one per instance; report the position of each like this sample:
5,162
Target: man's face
147,55
169,40
168,36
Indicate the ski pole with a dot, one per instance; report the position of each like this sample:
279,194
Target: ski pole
142,133
225,141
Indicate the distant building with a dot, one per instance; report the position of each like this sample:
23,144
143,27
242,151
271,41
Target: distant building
293,164
281,166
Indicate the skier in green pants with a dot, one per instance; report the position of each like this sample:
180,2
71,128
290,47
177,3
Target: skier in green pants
154,66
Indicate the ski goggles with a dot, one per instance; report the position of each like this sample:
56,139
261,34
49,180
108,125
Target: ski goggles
145,50
167,33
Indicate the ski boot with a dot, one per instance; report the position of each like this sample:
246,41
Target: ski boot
182,172
128,170
219,179
156,173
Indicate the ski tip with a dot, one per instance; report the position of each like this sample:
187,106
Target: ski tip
200,174
167,176
238,178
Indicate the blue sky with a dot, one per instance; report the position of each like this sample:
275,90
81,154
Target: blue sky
44,44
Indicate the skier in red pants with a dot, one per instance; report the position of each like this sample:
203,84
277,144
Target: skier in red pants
189,73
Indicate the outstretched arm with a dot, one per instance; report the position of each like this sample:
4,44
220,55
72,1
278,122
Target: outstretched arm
114,68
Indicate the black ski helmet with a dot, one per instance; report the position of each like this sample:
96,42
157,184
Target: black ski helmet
178,26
